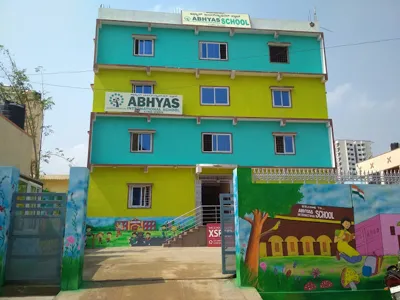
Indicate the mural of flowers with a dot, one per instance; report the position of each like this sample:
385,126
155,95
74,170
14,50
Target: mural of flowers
74,237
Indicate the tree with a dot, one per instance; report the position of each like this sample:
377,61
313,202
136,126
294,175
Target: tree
16,87
262,201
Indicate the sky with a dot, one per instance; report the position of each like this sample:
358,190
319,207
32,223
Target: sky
361,91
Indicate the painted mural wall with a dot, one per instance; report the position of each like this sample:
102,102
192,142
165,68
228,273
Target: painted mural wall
311,238
129,231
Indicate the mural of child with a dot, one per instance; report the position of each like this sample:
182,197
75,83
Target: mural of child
99,237
342,238
119,227
140,235
133,239
164,231
148,238
108,238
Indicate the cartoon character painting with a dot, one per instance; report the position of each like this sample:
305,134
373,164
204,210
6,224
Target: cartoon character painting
342,238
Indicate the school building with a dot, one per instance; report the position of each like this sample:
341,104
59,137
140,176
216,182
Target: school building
181,99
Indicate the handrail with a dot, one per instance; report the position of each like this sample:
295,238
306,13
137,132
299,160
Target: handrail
198,216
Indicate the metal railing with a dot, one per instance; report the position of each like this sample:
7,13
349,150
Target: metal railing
324,175
201,215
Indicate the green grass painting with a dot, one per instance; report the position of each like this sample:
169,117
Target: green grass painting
71,273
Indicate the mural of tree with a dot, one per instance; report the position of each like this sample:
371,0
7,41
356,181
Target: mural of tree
257,203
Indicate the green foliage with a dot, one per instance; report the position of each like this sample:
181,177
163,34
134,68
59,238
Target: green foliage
15,86
272,198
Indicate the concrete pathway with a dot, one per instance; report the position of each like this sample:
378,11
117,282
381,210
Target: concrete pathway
156,273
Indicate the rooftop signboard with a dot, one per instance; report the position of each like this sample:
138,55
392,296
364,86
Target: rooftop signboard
216,19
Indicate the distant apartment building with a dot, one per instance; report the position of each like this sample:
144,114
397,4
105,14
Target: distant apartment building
382,165
351,152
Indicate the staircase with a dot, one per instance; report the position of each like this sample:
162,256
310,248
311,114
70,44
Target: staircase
191,228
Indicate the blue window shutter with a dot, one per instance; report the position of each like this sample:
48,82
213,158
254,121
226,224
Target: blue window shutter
139,89
203,50
148,47
224,143
214,143
147,89
141,47
221,95
207,95
277,95
213,50
285,98
289,147
136,196
146,141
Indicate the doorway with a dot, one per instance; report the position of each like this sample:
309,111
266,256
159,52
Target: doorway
210,190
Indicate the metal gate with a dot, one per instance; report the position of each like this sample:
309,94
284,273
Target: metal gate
36,236
227,234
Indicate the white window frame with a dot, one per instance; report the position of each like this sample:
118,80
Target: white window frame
142,39
140,133
281,90
292,135
217,43
136,85
215,98
216,134
143,201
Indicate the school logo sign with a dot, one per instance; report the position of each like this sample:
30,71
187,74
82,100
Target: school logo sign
215,19
116,99
143,103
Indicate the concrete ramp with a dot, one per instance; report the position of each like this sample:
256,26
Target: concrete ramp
215,289
156,273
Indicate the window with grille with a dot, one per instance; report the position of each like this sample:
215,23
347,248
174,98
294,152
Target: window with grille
392,230
284,144
278,54
213,50
143,47
217,142
141,142
139,196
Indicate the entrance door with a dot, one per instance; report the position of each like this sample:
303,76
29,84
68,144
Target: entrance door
36,237
211,188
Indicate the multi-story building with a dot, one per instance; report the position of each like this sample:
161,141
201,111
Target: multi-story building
351,152
205,99
383,168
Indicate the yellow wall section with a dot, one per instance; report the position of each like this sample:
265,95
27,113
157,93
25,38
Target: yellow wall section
55,186
173,192
249,96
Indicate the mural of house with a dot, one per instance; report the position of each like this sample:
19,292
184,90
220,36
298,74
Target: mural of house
379,235
135,224
307,230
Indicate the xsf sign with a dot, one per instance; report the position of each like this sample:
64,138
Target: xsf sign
213,235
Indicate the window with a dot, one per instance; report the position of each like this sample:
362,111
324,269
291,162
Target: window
292,247
143,47
308,248
217,142
284,144
392,230
139,196
277,247
142,89
212,50
278,54
214,95
281,98
141,142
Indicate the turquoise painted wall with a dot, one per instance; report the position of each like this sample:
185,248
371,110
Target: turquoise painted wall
178,141
180,48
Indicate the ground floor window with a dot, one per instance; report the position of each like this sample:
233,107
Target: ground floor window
139,195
